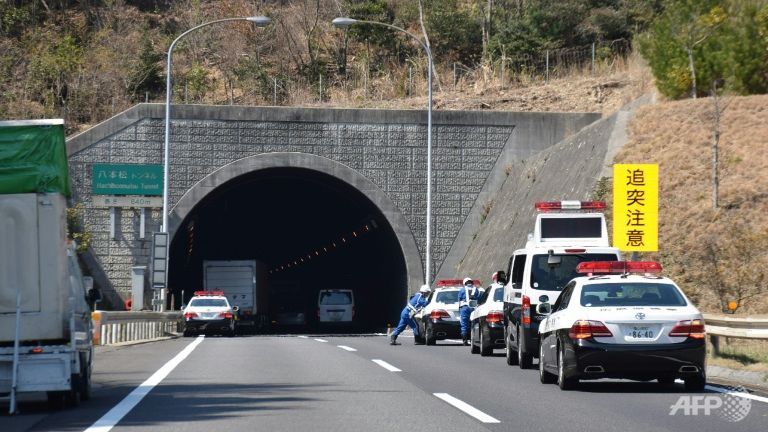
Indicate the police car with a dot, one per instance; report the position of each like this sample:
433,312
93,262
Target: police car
209,312
487,322
439,319
622,320
565,234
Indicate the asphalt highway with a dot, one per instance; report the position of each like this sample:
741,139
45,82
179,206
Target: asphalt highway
361,383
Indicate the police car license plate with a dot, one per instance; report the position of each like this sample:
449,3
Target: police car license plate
640,332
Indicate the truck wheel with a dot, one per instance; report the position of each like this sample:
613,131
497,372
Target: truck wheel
85,379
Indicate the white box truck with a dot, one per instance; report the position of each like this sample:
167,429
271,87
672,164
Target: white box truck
45,317
244,283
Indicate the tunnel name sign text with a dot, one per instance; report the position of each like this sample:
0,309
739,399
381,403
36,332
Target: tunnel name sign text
127,179
636,207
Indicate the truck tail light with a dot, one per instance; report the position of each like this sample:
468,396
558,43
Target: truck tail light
36,350
693,329
526,311
494,317
190,315
439,314
584,329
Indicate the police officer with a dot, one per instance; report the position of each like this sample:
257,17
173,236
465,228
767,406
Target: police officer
498,278
467,293
415,304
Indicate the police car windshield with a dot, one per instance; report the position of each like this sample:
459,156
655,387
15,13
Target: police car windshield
549,277
447,297
335,298
208,302
631,294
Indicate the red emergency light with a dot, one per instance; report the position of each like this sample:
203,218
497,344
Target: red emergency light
548,206
618,267
455,282
209,293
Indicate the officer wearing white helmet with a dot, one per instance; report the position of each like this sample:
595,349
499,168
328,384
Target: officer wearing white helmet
415,304
467,292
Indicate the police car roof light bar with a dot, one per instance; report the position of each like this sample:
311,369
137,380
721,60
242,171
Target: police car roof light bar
619,267
547,206
209,293
454,282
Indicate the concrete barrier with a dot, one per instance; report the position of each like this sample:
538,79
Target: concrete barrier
113,327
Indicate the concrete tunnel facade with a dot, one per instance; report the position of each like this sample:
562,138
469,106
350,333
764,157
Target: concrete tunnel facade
312,175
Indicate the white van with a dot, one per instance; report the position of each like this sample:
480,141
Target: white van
336,306
566,233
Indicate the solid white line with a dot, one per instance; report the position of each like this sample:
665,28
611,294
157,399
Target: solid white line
386,365
113,416
321,340
467,408
346,348
739,394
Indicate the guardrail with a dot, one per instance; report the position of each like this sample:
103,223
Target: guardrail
112,327
747,327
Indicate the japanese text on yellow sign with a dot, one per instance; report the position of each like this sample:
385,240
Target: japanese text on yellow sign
636,207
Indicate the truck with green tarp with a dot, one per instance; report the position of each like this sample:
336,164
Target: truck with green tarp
45,321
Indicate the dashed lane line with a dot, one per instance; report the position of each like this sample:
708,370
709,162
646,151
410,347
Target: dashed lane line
386,365
321,340
466,408
113,416
346,348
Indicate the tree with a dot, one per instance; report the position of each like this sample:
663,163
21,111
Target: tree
147,75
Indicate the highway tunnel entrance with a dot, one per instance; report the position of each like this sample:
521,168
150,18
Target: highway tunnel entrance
311,231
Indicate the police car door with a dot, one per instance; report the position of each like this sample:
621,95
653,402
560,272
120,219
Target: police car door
557,320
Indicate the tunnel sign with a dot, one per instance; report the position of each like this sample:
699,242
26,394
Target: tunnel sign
127,201
127,179
636,207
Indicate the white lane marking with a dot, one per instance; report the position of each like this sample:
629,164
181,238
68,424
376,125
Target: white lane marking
321,340
733,393
467,408
303,337
346,348
386,365
113,416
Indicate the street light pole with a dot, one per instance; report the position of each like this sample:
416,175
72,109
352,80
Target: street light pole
259,21
344,22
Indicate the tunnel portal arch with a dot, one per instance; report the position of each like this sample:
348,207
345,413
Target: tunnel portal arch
296,174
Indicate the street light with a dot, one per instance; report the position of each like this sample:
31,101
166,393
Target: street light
344,22
259,21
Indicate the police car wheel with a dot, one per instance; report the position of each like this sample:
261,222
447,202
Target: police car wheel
511,354
544,376
563,382
666,380
524,358
485,342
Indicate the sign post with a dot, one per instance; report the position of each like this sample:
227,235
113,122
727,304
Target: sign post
159,269
636,207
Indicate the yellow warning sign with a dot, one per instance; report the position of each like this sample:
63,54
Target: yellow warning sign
636,207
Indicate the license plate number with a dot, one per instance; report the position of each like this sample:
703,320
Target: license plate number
640,333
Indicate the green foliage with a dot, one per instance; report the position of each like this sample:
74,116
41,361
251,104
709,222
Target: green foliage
15,19
77,230
198,82
454,30
147,75
52,66
724,40
372,10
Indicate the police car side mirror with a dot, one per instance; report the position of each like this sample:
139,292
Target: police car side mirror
544,309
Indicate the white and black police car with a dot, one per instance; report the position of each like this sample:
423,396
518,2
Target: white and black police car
209,312
622,320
